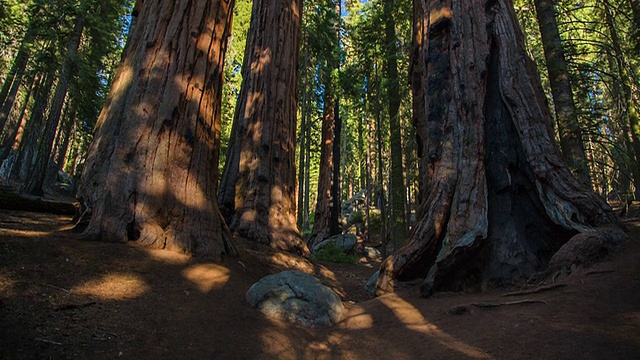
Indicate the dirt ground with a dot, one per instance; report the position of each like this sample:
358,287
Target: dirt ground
61,297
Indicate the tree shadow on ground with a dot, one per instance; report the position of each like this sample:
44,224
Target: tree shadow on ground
65,298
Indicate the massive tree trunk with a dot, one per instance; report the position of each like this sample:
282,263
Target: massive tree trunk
571,142
398,197
151,172
259,179
501,200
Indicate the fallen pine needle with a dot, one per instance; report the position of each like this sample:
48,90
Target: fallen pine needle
47,341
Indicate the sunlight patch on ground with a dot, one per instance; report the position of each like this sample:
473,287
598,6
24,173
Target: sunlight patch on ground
207,277
413,320
6,283
275,342
113,287
169,257
29,233
357,319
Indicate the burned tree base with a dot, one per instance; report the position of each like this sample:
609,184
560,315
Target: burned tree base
501,200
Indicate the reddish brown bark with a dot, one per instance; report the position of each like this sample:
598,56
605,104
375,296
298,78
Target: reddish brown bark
257,192
501,200
328,203
152,168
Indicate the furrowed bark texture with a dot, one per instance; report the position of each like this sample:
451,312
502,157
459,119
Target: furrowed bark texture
151,171
501,200
257,193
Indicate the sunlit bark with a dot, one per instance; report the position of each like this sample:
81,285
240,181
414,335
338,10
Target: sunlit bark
257,193
152,168
501,200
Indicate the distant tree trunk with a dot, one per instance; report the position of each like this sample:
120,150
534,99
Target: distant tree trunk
303,145
36,181
322,227
13,81
379,144
336,182
502,200
628,109
328,207
635,8
151,170
9,143
398,198
259,178
571,142
64,138
307,174
34,126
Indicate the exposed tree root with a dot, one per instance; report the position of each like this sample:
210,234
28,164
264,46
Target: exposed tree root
461,309
535,290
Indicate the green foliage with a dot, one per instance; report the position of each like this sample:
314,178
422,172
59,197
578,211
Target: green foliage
356,217
332,253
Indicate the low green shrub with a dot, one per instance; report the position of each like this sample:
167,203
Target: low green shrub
332,253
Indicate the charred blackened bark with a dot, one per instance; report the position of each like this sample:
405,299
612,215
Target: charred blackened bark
152,168
501,201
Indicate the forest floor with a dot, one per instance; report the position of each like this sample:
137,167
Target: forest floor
61,297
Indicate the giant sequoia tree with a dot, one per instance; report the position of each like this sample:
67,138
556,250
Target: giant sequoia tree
500,200
151,171
257,192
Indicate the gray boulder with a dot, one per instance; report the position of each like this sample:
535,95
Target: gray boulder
346,243
297,297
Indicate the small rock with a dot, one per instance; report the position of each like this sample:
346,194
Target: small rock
370,286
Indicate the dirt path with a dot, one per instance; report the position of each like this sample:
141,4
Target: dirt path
65,298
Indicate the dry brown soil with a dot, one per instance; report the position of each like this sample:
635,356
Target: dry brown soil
61,297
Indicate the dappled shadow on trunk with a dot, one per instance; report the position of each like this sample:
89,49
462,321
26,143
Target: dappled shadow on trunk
151,172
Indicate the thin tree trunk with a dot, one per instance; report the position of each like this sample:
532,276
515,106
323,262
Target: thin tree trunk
151,171
34,126
322,228
326,221
380,149
571,142
628,108
36,182
336,188
303,145
398,198
65,138
12,84
307,174
259,177
12,142
502,200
